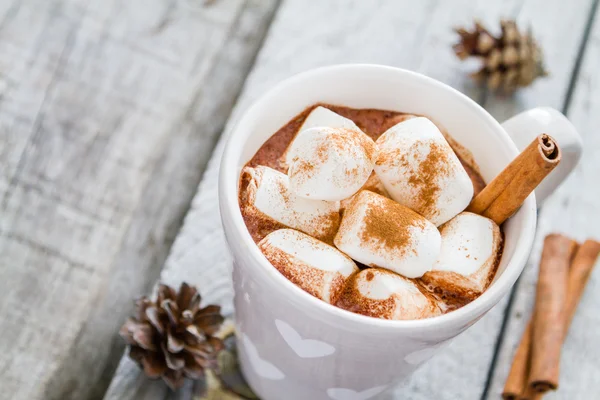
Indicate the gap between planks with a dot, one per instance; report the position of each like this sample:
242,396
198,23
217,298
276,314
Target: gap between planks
357,32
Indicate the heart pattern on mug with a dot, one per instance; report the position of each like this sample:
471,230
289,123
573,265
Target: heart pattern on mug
305,348
262,367
349,394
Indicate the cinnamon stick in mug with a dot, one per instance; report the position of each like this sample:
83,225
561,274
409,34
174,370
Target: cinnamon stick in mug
503,196
549,316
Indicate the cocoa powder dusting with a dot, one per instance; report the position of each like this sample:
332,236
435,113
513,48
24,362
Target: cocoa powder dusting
322,227
390,223
374,123
283,191
309,279
258,224
352,173
425,179
325,225
322,151
303,168
456,290
329,226
370,121
352,300
334,143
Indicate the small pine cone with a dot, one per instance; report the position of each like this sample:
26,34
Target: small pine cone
510,61
172,337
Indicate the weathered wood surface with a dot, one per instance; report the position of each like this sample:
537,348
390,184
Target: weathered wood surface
109,111
575,211
415,35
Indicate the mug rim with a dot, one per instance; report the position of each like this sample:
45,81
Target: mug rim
231,213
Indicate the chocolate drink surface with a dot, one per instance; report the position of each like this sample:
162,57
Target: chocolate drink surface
373,123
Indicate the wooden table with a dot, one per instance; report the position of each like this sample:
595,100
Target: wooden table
109,112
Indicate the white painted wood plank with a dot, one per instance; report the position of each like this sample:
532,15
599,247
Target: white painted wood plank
415,35
572,210
108,114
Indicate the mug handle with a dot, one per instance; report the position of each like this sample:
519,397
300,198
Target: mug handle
526,126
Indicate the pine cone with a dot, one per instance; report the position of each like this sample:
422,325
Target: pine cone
173,337
510,61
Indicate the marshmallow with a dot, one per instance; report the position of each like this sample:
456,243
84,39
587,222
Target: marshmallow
419,169
322,116
382,294
268,192
316,267
379,232
330,163
372,184
318,117
471,246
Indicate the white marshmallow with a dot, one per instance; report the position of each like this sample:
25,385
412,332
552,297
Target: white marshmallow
379,232
330,163
419,170
467,262
314,266
382,294
320,116
268,192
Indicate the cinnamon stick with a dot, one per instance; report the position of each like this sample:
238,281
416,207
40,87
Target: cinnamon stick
518,376
516,387
530,394
579,274
549,318
503,196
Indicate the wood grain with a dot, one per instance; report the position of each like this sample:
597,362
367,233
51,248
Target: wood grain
572,210
414,35
108,114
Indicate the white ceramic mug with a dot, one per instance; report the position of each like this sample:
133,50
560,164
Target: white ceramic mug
295,346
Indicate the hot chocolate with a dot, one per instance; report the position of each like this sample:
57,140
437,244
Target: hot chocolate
363,209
